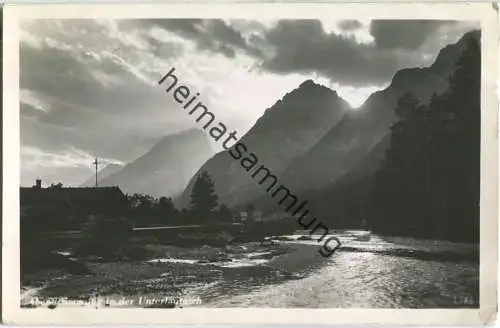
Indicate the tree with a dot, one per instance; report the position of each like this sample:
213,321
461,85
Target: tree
143,208
250,212
399,185
459,151
203,197
165,209
224,214
185,214
141,204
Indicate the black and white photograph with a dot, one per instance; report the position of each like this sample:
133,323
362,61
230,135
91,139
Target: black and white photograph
182,163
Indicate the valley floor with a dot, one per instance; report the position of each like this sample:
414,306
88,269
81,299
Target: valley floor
368,271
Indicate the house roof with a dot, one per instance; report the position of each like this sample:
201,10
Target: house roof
70,194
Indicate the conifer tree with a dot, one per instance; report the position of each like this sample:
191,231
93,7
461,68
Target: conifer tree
203,197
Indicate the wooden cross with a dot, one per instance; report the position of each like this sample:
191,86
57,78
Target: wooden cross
96,163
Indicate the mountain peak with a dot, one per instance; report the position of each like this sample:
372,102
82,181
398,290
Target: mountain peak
166,168
445,60
286,130
443,65
475,34
307,83
193,132
186,137
308,88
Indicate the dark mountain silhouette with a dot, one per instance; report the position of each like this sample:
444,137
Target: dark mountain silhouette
327,153
101,174
428,185
355,146
336,175
286,130
345,198
166,168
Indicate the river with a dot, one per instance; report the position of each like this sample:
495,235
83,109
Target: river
369,271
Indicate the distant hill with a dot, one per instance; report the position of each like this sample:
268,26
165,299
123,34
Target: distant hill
101,174
166,168
287,130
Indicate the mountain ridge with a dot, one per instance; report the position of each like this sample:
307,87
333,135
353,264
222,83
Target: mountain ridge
362,130
309,110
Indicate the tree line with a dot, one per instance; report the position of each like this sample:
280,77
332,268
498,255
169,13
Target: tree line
428,184
204,206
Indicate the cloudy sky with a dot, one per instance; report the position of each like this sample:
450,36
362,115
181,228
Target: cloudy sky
88,88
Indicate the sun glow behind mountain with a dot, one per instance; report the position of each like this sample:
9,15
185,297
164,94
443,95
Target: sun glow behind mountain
357,96
354,96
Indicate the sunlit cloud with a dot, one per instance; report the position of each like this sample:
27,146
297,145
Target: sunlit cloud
33,157
33,99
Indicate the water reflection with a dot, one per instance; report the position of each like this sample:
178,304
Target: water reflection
369,272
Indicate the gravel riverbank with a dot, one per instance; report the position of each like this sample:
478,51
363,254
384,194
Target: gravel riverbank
204,273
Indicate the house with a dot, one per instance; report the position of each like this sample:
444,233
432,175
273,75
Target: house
240,217
277,216
258,216
58,203
252,216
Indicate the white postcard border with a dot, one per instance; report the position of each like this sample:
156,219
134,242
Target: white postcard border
484,12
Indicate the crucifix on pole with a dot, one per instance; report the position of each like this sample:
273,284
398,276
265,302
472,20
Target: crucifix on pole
96,163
